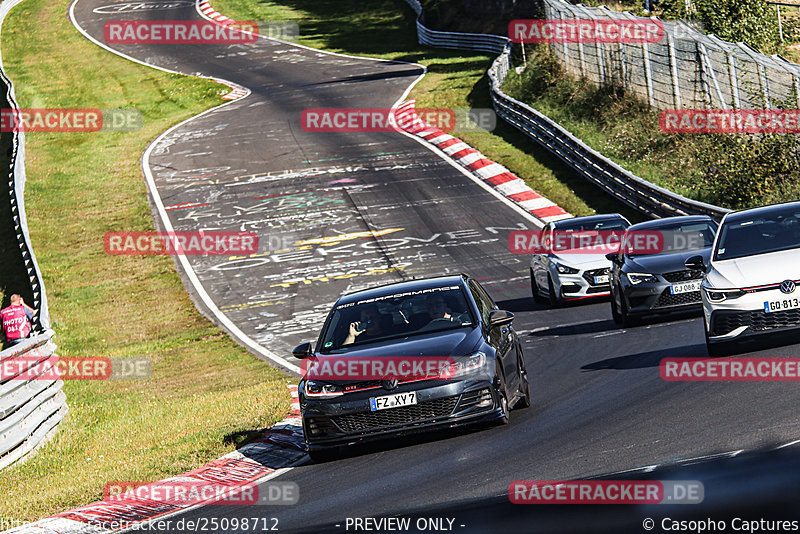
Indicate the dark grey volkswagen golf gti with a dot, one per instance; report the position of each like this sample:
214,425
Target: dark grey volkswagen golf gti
409,357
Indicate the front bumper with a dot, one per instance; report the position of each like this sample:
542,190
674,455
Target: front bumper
656,297
345,420
580,285
745,316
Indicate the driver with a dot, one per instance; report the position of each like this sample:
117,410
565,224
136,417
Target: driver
369,324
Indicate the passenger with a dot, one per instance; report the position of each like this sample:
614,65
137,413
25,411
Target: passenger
437,309
16,320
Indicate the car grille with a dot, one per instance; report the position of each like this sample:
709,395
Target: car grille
724,322
683,276
589,276
402,415
668,299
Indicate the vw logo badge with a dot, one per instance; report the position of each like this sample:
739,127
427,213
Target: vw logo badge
787,287
390,384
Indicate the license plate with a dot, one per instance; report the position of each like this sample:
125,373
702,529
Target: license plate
688,287
393,401
780,305
602,279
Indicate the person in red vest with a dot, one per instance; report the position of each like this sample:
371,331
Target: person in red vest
16,320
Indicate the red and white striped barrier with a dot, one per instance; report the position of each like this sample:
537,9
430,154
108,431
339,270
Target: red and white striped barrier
487,170
278,447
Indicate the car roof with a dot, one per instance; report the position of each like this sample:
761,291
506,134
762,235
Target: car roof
763,210
400,287
658,223
588,218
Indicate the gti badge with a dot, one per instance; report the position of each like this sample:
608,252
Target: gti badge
390,384
787,287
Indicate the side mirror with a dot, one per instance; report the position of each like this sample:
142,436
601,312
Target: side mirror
500,318
612,257
695,263
302,351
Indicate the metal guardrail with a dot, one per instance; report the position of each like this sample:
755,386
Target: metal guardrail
16,188
31,406
620,183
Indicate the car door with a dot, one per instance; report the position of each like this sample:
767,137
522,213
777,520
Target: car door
501,338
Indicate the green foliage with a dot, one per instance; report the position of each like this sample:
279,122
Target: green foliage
735,171
751,21
750,170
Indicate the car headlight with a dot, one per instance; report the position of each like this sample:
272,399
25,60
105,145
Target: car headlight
463,366
563,269
321,390
638,278
719,295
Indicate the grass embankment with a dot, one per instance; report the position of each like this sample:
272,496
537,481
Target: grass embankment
205,392
456,79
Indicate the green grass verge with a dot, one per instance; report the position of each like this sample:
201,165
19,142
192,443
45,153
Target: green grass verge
206,393
386,29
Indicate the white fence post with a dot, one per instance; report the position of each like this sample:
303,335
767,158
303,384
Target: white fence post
673,67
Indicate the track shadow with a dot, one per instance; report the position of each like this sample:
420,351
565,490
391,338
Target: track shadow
594,327
524,304
647,359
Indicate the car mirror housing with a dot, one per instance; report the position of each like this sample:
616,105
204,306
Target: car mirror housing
696,263
612,257
302,351
500,318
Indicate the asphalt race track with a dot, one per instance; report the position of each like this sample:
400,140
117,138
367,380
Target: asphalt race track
360,209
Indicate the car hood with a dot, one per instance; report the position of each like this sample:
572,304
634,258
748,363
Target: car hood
759,270
583,261
664,263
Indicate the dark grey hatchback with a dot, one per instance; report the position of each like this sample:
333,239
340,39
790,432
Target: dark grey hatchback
657,280
409,357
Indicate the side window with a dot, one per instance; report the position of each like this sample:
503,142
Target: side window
484,307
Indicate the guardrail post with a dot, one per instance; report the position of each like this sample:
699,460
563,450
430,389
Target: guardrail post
673,67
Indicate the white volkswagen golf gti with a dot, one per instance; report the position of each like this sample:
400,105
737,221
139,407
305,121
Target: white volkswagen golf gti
750,286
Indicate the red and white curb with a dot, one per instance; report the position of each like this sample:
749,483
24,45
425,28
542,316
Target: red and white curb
210,12
279,447
500,178
237,91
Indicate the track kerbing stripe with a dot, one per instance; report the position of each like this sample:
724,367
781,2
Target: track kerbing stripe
503,180
278,448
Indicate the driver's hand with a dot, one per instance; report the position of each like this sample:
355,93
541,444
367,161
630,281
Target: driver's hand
353,331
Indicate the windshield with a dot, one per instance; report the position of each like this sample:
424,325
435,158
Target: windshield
398,315
571,237
670,239
771,232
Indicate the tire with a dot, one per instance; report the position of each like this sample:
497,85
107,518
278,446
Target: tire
537,297
524,399
501,392
718,350
625,315
325,455
615,314
551,293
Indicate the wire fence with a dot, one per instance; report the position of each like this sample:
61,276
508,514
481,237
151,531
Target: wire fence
687,69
